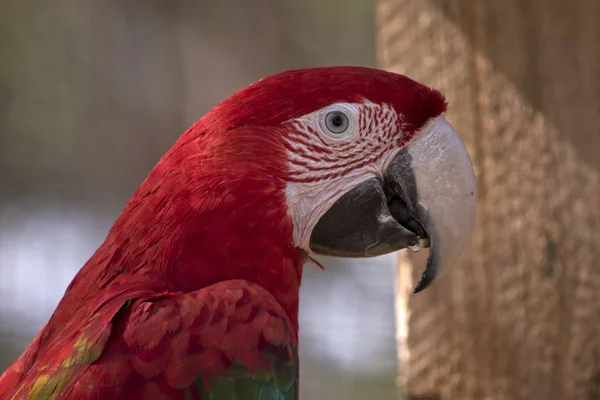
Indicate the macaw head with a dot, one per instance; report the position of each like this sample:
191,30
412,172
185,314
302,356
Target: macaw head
364,161
341,161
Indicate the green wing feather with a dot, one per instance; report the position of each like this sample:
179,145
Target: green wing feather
277,382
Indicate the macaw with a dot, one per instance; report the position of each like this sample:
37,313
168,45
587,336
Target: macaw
194,292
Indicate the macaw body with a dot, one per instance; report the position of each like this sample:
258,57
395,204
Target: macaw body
194,293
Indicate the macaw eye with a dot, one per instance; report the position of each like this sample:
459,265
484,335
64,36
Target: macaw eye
336,122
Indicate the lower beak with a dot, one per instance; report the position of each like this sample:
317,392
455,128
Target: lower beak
427,198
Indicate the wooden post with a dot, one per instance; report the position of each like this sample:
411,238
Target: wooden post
519,316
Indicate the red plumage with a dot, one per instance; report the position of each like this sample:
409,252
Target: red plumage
200,270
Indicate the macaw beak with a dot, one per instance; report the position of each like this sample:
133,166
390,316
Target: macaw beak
427,198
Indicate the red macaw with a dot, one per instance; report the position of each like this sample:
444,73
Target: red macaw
194,292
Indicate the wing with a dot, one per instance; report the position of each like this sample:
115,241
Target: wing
229,341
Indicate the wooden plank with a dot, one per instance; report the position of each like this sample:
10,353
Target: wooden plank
518,316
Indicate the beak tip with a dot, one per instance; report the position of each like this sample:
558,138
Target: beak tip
434,262
419,288
426,279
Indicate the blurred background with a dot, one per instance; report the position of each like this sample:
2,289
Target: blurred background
92,93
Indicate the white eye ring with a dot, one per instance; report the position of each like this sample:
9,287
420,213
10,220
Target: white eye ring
339,121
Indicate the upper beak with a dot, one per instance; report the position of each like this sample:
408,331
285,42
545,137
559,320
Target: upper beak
427,199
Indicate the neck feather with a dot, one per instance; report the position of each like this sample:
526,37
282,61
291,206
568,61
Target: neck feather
207,213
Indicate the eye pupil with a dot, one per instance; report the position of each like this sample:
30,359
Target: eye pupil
336,122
